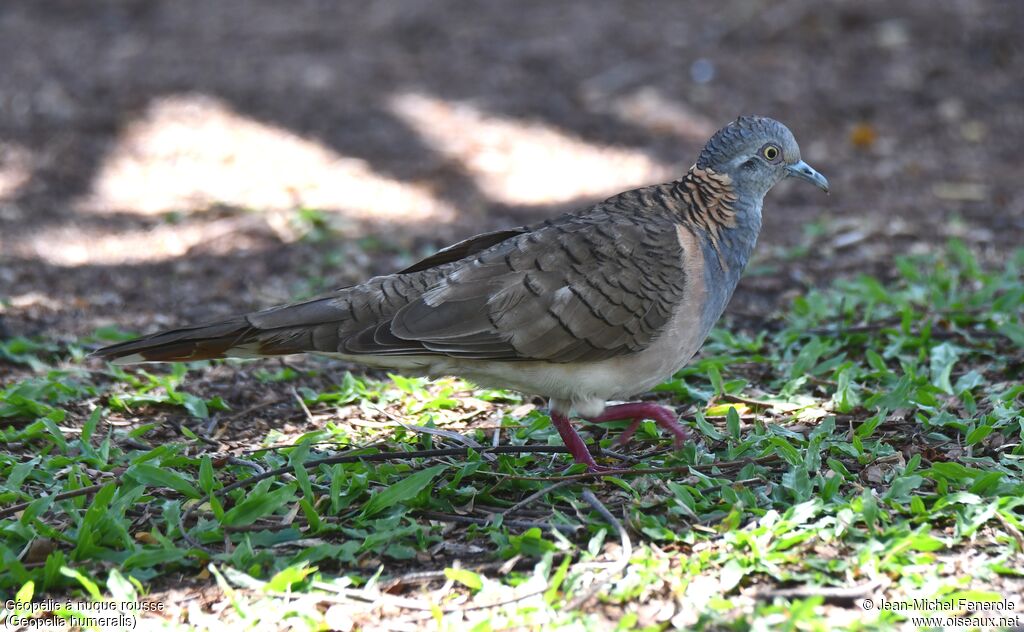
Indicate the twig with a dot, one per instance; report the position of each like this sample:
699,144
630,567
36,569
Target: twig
251,409
252,465
376,597
187,537
534,496
599,507
302,404
81,491
1012,530
314,444
624,556
448,434
833,594
618,456
210,425
653,470
503,567
753,402
179,428
518,524
352,458
252,528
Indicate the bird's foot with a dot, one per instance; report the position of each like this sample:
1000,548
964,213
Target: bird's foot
575,443
637,412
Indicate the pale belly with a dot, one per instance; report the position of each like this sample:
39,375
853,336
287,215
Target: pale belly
574,388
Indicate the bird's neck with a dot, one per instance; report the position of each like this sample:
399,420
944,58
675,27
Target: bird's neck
711,206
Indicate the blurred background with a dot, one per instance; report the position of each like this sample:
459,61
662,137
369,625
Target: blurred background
169,161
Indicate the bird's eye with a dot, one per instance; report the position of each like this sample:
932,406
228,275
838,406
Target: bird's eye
770,152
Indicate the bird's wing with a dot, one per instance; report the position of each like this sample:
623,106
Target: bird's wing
464,248
583,289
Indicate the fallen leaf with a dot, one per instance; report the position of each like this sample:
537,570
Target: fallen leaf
145,537
863,136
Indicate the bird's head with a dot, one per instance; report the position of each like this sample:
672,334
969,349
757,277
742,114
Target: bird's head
757,153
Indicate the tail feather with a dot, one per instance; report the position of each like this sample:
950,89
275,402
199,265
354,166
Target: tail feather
204,342
323,324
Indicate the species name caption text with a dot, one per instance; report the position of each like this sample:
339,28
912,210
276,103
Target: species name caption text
57,614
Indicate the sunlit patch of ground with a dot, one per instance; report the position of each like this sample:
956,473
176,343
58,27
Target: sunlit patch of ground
526,162
190,151
648,108
103,245
14,169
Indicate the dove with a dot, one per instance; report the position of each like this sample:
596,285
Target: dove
590,307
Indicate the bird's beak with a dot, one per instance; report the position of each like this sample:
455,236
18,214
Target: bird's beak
805,171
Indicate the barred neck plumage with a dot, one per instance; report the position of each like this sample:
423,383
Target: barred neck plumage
709,201
710,206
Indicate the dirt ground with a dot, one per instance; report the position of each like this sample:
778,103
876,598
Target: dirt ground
153,154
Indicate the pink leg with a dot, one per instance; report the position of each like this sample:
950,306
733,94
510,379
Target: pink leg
662,416
574,442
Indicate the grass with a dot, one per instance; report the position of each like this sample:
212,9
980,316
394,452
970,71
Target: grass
864,444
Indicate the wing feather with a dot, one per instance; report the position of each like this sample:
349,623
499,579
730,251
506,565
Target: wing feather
587,291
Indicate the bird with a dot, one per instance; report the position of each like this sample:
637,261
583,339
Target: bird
587,308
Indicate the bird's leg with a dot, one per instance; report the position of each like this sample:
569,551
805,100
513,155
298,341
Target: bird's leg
574,442
661,415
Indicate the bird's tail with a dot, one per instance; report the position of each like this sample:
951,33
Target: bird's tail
314,325
204,342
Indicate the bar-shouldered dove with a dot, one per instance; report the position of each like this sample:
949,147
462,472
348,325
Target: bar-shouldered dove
595,305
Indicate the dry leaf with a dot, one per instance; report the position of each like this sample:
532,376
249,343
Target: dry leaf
863,136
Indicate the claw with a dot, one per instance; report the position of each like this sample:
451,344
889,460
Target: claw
628,433
662,416
637,412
